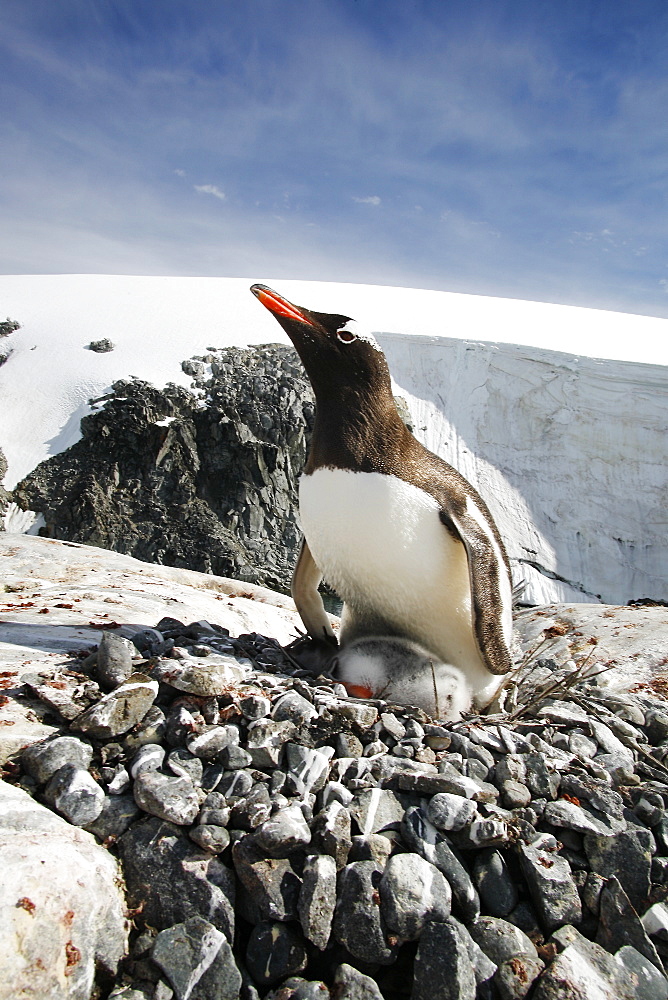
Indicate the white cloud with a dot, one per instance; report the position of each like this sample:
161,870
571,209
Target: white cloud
371,200
210,189
180,173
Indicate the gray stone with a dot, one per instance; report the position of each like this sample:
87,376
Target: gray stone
619,924
148,758
483,967
114,660
583,970
377,809
350,984
253,810
172,881
627,856
283,833
75,794
172,799
210,837
542,781
296,988
451,812
43,759
208,742
651,983
552,888
501,940
233,757
204,679
120,710
514,794
317,898
412,892
497,889
358,923
443,969
375,847
293,707
198,961
331,832
423,837
117,815
272,883
63,911
307,768
266,740
185,765
569,816
254,707
274,951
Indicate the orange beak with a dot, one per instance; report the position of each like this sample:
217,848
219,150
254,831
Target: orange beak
357,690
277,305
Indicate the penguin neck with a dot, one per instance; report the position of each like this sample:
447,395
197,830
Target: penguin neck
362,432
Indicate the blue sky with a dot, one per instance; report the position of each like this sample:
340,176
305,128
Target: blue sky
501,147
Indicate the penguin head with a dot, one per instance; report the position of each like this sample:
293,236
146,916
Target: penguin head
332,348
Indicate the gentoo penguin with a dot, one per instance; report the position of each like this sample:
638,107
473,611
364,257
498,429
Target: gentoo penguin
404,540
399,670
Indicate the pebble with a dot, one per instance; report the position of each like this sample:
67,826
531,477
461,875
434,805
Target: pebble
356,827
317,898
274,951
114,660
43,759
170,798
75,794
443,969
451,812
198,961
412,892
203,679
120,710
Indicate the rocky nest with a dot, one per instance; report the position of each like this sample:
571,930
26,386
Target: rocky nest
281,840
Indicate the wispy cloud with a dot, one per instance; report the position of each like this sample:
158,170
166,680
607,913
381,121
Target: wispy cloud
527,135
210,189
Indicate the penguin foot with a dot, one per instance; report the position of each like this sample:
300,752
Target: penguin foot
399,670
318,656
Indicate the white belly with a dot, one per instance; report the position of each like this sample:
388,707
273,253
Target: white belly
380,544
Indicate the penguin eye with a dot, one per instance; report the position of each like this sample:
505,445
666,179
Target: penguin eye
346,336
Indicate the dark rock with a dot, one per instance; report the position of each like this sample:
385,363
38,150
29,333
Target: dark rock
620,925
120,710
652,984
272,883
331,832
285,831
42,760
185,765
350,984
172,881
551,886
497,889
253,810
274,951
210,837
581,971
197,959
627,856
114,660
214,490
317,898
117,815
75,794
376,810
421,836
412,892
358,923
451,812
172,799
148,758
443,969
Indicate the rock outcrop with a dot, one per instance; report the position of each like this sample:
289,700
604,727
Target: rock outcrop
203,480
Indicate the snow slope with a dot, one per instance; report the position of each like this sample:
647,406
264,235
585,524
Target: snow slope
567,450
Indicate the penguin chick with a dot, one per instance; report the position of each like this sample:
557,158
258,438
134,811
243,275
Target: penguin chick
401,671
